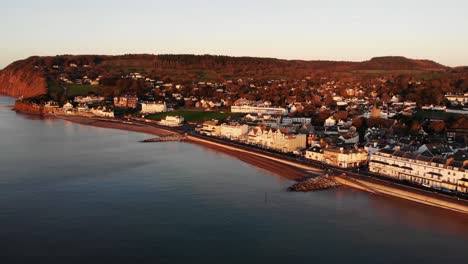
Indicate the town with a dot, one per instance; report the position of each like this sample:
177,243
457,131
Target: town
357,126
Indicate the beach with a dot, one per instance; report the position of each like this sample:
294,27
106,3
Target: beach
118,124
278,168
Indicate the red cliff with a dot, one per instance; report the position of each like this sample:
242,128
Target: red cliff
26,107
21,78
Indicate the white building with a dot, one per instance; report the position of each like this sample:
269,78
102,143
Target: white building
458,98
330,122
345,157
434,172
234,131
268,138
153,107
259,110
51,104
172,121
301,120
67,106
102,111
82,107
90,99
338,156
211,128
315,153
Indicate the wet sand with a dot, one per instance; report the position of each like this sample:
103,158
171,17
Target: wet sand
121,125
281,169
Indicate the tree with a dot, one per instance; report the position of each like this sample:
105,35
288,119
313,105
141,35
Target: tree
341,115
437,126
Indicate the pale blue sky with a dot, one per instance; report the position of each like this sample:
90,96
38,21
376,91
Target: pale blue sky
293,29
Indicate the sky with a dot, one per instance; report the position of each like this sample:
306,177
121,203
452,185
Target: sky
291,29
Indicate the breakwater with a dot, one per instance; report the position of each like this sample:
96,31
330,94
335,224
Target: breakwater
165,139
315,184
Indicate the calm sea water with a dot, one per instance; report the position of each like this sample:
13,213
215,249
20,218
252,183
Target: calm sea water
79,194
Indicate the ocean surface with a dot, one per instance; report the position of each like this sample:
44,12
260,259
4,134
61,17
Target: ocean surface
78,194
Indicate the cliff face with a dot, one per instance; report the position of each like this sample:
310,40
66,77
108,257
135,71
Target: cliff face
22,79
25,107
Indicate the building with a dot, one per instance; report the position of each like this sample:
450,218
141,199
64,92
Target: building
172,121
435,149
296,120
276,139
435,172
315,153
211,128
51,104
102,111
338,156
90,99
82,107
67,106
258,110
330,122
345,157
153,107
457,98
126,101
350,137
234,131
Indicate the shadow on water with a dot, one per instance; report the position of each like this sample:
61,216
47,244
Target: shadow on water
415,215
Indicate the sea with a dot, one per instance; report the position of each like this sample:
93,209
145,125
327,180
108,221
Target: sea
71,193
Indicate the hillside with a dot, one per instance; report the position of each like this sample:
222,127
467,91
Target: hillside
399,63
33,76
21,78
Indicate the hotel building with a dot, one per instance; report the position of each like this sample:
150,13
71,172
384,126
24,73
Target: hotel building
434,172
268,138
153,107
234,131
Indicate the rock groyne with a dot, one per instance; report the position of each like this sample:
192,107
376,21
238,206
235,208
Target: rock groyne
315,184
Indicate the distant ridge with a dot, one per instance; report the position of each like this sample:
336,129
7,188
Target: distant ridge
29,77
400,63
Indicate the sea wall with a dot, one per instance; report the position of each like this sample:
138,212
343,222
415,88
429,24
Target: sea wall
293,164
404,193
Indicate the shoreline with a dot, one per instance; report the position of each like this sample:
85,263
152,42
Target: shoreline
379,187
284,168
117,124
404,192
